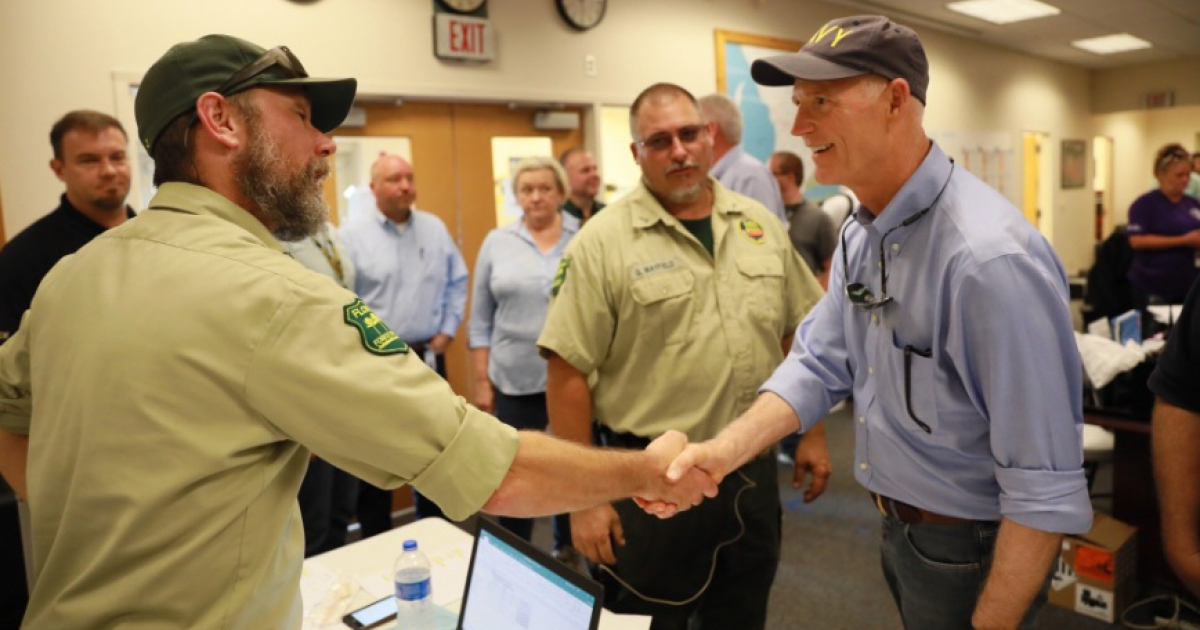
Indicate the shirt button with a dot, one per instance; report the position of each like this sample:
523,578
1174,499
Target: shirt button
895,247
870,370
863,466
874,319
861,420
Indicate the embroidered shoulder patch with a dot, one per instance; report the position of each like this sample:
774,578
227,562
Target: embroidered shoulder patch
376,337
560,276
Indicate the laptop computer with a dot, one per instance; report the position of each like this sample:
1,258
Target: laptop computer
512,585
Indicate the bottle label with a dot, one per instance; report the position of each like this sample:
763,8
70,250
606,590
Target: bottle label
412,591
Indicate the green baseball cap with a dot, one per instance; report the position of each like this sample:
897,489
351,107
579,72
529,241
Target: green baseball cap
228,65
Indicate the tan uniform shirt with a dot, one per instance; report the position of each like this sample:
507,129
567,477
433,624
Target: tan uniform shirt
175,366
670,336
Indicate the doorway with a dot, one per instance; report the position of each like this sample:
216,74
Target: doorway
451,147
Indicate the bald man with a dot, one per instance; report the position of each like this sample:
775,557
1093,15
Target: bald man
410,272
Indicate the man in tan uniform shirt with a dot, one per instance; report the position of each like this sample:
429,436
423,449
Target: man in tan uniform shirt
179,369
673,305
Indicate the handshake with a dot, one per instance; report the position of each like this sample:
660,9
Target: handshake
684,474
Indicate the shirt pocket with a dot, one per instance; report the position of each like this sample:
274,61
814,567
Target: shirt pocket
665,303
763,283
912,382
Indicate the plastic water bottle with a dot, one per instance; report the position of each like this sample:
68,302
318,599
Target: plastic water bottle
414,603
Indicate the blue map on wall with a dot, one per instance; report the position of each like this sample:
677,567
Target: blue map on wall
758,134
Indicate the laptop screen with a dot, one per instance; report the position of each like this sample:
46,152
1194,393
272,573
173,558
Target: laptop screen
512,585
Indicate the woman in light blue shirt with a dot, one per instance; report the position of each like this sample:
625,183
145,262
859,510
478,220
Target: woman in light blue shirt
513,276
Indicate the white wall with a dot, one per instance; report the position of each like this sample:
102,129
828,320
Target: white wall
59,55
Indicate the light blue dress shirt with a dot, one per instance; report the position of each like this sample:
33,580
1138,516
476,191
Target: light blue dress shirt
982,293
743,173
508,304
411,275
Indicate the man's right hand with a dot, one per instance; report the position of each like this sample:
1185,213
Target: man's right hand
593,532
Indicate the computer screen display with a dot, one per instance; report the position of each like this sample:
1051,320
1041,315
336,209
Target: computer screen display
512,585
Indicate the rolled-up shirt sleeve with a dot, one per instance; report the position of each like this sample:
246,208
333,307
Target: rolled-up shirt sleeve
1012,342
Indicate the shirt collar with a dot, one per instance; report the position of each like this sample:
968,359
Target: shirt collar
917,194
192,199
647,211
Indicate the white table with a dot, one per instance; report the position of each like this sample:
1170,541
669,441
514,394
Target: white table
355,575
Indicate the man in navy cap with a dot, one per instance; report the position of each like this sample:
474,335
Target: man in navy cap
947,320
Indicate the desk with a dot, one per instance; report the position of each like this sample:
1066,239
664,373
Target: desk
369,563
1135,500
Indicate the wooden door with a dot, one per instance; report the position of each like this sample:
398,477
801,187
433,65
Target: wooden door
452,165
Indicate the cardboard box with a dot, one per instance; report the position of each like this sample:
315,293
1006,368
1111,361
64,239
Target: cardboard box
1096,574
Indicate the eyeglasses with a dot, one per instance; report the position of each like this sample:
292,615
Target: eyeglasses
859,294
279,56
665,140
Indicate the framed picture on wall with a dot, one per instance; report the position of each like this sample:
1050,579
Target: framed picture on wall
1074,163
767,112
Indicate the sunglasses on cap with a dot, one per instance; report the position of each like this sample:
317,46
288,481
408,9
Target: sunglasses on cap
279,56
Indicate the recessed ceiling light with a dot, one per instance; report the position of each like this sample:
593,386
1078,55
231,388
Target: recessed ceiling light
1004,11
1110,44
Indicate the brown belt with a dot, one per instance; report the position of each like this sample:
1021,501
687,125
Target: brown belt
910,514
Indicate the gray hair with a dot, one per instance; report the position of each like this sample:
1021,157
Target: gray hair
722,110
542,163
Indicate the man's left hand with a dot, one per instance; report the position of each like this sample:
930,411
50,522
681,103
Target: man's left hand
440,342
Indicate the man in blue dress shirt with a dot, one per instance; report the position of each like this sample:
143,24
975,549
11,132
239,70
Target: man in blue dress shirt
732,166
947,320
410,272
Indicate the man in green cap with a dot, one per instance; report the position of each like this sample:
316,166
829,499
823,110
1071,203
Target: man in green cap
182,366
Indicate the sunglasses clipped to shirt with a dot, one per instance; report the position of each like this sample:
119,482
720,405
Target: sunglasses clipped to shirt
859,294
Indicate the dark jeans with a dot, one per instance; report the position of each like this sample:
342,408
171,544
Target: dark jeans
936,572
526,412
328,497
670,559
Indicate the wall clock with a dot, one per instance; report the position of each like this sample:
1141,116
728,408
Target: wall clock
463,6
582,14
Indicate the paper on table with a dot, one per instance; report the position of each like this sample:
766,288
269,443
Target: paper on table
448,566
326,597
613,621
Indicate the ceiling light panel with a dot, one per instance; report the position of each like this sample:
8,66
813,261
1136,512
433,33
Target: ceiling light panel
1111,44
1004,11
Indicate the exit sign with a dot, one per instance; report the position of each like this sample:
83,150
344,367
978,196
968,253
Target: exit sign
462,37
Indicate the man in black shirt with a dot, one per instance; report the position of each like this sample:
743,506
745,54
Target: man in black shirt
90,158
1175,436
583,178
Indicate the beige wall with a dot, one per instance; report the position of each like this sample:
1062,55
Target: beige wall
57,56
1137,136
1121,89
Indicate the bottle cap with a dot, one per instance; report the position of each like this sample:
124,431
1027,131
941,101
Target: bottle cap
410,545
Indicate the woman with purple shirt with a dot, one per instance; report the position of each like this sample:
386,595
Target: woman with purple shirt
1164,232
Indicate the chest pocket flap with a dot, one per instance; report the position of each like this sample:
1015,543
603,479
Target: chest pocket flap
662,286
761,266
